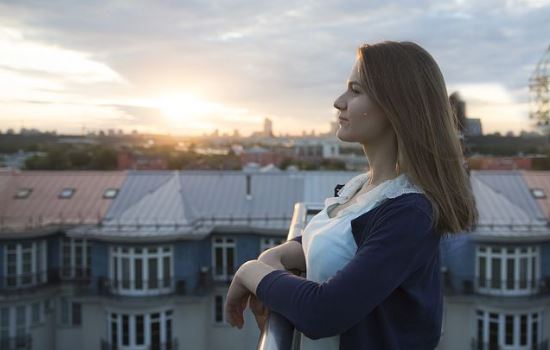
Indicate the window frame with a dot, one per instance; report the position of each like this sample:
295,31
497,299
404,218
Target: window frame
121,255
531,259
227,242
499,317
37,253
115,321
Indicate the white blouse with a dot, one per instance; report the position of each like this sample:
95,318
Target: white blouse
328,243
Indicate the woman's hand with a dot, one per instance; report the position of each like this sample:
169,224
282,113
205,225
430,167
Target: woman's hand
236,301
261,312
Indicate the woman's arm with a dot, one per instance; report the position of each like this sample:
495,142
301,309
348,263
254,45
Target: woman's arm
286,256
400,240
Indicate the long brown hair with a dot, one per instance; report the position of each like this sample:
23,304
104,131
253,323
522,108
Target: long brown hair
406,82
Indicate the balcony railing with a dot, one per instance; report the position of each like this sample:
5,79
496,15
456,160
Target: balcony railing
87,284
16,343
466,284
24,281
278,333
140,287
171,345
75,274
479,345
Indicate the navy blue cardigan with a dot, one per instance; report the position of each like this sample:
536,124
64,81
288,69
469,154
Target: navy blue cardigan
389,296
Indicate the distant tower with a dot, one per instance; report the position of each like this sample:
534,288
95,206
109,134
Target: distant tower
459,109
268,127
539,88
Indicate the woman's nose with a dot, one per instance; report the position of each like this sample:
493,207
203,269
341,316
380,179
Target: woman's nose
339,104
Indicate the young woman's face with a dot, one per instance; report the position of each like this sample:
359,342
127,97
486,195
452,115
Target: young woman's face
360,118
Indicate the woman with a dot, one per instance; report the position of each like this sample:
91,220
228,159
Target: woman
372,254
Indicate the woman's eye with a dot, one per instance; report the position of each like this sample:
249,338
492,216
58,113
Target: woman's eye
354,91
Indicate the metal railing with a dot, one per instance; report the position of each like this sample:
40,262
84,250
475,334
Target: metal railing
88,284
170,345
16,343
476,344
279,333
466,284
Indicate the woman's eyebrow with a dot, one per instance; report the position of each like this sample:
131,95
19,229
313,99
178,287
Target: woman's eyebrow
350,82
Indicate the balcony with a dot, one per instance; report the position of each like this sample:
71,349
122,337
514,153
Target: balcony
171,345
16,343
25,282
456,284
107,286
479,345
140,287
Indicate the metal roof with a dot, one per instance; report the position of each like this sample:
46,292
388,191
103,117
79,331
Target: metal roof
165,203
512,185
180,202
539,179
43,207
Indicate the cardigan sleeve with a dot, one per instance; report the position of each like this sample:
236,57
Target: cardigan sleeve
398,242
297,239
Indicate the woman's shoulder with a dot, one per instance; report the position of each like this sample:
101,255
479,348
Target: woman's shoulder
408,201
410,210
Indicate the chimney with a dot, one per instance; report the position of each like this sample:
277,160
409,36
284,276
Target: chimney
248,187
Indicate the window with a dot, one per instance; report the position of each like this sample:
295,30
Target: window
37,314
76,314
223,257
140,330
538,193
219,314
75,258
67,193
25,264
15,326
4,326
267,243
23,193
142,270
508,330
507,270
110,193
70,312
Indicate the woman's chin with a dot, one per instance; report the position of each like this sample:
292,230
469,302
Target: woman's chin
342,134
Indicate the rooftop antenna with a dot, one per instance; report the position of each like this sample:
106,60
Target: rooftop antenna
539,89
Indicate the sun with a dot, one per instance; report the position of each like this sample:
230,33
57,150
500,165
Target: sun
187,109
183,106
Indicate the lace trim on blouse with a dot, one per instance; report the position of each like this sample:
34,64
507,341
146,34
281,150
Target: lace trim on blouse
387,189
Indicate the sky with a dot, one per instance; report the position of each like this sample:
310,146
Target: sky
190,67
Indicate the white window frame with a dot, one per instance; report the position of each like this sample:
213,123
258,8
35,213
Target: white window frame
533,317
119,285
221,296
77,267
270,242
530,257
37,309
224,243
66,313
38,260
166,323
12,328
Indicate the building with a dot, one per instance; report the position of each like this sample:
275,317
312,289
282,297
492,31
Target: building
497,278
143,259
139,259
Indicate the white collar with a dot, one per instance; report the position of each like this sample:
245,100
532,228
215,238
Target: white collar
387,189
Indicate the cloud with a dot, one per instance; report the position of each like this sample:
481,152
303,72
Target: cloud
281,59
